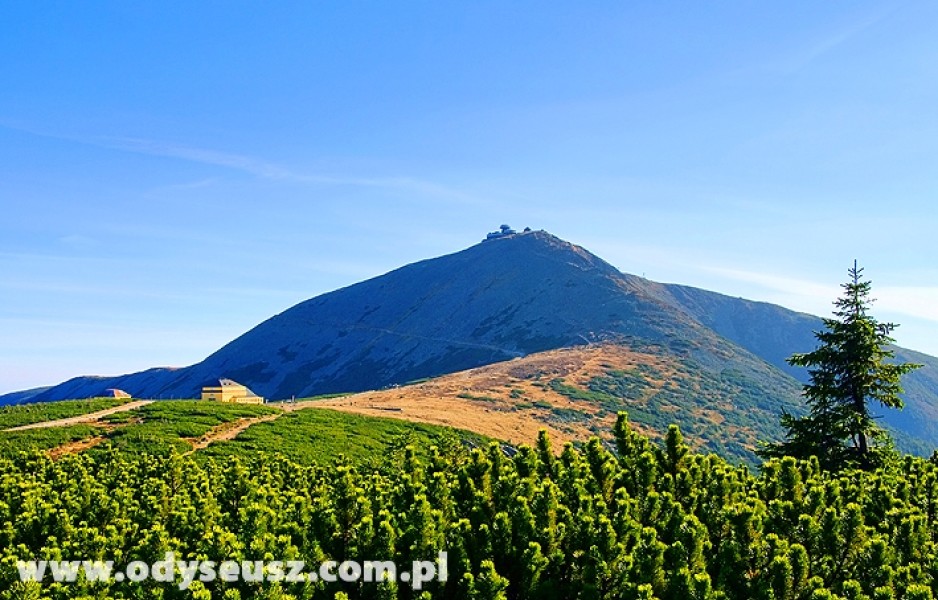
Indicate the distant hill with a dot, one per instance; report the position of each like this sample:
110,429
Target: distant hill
23,396
504,298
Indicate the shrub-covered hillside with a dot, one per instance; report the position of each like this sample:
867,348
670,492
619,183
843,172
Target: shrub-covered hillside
644,522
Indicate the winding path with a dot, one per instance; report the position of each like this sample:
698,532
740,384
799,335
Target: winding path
228,431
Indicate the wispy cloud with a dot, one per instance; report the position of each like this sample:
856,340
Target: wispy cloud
78,241
246,164
251,165
192,185
920,302
74,289
264,169
779,283
803,56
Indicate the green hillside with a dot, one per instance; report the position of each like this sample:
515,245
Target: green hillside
308,436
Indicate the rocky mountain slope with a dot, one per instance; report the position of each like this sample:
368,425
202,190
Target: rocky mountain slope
504,298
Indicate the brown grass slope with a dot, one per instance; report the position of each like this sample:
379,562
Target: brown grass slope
575,393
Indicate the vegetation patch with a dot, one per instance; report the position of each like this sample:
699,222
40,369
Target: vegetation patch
468,396
578,393
27,414
44,438
162,426
323,436
727,413
567,415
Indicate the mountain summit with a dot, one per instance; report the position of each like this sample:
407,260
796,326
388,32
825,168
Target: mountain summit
511,295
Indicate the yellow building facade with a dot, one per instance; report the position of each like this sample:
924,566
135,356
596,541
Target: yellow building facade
228,390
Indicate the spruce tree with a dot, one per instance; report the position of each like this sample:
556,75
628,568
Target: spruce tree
849,370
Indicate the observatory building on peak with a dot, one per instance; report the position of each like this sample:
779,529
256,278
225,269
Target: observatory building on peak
504,231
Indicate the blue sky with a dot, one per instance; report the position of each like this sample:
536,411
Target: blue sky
172,174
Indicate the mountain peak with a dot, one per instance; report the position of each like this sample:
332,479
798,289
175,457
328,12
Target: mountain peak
527,234
513,294
505,233
533,246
